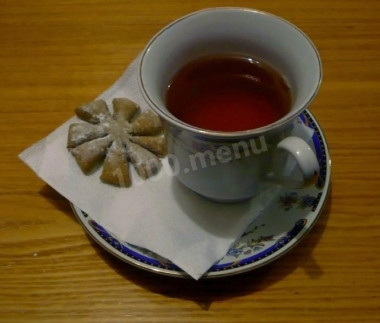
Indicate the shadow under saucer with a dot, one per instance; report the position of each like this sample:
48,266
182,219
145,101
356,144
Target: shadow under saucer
205,292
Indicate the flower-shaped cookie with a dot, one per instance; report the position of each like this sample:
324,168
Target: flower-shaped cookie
125,136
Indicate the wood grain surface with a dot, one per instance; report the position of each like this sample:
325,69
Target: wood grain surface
57,54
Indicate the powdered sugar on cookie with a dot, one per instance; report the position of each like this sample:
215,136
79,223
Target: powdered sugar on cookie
126,135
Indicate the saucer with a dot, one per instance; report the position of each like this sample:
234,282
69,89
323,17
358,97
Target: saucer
281,226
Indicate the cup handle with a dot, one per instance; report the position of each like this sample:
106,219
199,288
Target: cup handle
305,158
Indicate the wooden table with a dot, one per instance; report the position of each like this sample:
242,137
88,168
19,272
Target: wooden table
57,54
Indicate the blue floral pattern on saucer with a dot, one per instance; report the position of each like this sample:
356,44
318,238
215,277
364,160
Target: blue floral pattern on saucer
295,212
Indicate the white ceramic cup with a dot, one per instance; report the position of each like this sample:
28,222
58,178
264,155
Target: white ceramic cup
231,166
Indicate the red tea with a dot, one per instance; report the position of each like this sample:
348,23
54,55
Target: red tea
228,93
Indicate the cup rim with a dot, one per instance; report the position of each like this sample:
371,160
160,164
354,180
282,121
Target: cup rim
166,115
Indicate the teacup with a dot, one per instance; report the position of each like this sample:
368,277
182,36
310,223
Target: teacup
233,166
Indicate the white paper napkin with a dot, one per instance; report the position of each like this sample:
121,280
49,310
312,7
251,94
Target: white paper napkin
158,214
